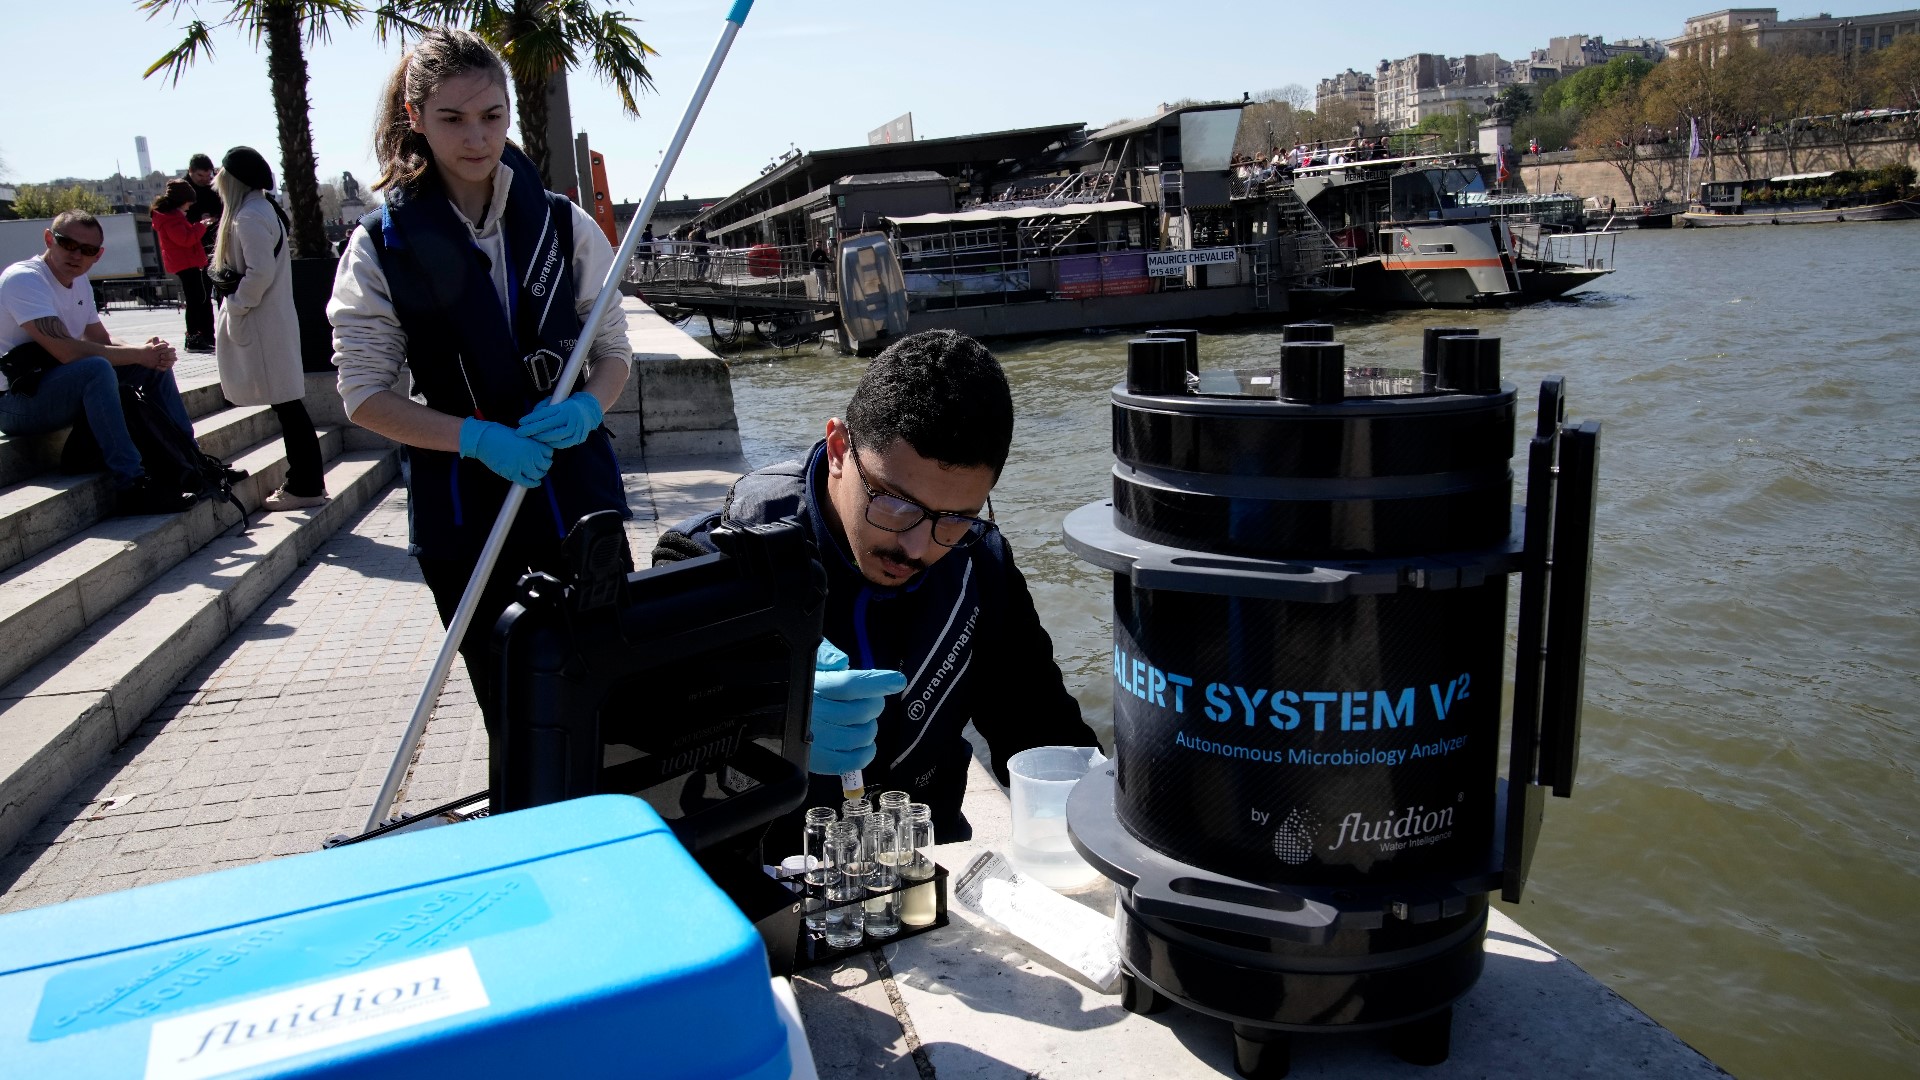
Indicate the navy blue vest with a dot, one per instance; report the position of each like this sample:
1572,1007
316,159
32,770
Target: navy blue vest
468,356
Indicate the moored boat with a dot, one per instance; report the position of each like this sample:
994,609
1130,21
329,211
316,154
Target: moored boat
1428,230
1885,194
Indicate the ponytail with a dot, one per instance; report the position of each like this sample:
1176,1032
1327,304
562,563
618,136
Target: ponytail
442,54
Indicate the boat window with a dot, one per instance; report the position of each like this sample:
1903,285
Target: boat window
1414,195
1460,181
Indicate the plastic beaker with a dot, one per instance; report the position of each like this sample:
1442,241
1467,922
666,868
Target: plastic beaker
1042,778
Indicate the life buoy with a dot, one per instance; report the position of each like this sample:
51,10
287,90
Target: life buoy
1406,242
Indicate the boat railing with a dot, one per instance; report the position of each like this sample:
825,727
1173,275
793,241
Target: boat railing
940,277
1588,250
763,269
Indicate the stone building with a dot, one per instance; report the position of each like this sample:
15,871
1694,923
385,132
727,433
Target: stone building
1350,87
1849,35
1409,90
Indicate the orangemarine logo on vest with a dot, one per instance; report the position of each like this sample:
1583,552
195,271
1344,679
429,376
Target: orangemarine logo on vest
918,707
543,282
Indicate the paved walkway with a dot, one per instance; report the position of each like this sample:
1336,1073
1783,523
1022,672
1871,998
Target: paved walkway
282,737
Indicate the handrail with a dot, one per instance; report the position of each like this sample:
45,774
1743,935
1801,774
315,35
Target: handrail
692,263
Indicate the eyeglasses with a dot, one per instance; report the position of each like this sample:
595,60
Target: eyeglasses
68,243
898,515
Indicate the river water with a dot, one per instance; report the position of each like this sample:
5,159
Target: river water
1739,857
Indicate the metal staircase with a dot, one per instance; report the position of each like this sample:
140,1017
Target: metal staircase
1049,234
1314,255
1262,278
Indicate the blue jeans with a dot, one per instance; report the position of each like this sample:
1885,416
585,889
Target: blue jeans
92,385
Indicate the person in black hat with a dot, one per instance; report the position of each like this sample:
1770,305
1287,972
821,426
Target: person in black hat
257,337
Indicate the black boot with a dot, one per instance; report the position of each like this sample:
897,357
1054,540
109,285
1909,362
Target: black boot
144,497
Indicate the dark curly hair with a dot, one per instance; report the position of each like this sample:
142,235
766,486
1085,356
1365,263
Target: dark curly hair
177,194
942,392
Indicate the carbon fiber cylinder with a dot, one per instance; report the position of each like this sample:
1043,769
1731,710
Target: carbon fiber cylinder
1360,478
1298,744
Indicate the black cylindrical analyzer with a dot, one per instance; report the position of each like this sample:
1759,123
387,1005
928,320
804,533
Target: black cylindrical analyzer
1156,365
1307,331
1310,598
1297,740
1430,344
1191,338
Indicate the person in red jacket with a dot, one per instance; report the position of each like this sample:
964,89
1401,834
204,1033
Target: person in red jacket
183,256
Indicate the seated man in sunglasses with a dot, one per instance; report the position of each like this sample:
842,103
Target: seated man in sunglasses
921,588
65,364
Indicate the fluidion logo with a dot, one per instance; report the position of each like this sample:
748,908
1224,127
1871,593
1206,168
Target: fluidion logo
1293,840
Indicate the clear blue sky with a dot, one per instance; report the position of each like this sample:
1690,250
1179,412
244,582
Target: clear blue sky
810,73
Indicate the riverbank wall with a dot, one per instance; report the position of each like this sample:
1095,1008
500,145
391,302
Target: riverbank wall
1665,171
678,402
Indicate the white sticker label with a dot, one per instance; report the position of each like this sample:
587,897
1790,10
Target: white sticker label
255,1031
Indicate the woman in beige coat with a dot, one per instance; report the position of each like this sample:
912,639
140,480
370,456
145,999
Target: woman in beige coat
257,339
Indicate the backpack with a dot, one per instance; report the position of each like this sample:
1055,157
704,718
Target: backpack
167,451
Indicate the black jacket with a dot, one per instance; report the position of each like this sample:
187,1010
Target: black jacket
965,632
208,208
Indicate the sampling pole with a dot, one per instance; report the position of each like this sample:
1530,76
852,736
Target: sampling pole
503,524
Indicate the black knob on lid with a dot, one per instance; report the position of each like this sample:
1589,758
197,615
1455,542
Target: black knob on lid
1429,346
1313,372
1156,366
1468,365
1192,340
1307,331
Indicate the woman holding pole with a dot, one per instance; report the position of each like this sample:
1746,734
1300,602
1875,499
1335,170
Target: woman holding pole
477,279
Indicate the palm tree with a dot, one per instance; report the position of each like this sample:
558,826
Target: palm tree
286,27
541,39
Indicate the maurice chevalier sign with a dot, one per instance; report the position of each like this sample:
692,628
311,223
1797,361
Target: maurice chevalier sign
1171,263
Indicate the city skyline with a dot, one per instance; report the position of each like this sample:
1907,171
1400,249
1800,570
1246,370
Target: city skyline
809,75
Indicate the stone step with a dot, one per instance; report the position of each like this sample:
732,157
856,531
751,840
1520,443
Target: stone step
52,596
62,717
39,512
29,455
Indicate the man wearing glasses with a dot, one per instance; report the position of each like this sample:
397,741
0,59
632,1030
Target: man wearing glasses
924,603
60,363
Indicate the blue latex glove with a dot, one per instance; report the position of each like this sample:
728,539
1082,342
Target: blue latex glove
563,425
846,711
521,460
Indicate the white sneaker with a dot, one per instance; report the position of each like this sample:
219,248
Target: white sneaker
281,500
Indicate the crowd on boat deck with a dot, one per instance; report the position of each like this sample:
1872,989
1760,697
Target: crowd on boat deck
1280,164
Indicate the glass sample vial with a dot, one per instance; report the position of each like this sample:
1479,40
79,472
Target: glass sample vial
882,855
919,905
814,845
893,807
845,916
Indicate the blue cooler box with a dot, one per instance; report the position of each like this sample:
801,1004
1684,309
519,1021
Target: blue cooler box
572,940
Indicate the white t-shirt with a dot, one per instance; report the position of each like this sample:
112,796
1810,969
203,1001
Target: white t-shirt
29,291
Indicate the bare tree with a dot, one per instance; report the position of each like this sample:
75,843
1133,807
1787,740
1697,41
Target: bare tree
1898,70
1611,133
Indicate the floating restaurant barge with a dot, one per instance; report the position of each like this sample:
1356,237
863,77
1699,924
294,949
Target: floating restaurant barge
1806,198
1055,229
